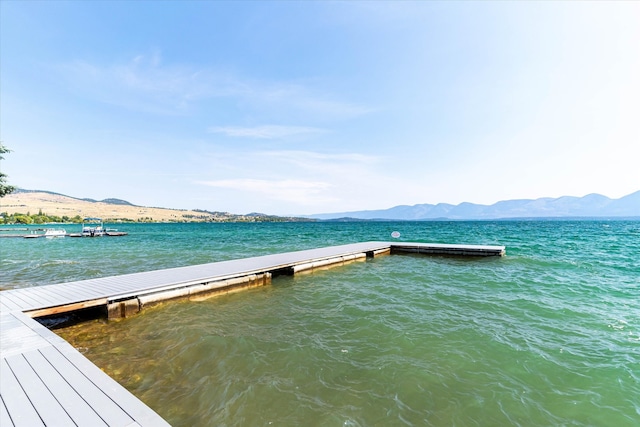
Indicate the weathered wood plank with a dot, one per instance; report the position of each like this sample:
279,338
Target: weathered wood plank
20,303
65,308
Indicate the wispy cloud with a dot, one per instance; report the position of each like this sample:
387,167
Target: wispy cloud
144,83
302,179
266,131
289,190
325,167
147,83
326,163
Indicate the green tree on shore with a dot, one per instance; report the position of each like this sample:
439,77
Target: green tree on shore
4,188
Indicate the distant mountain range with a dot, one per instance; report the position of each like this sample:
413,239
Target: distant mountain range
592,205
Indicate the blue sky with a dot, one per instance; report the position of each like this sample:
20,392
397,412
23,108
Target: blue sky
312,107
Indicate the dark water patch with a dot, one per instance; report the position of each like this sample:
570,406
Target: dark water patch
65,320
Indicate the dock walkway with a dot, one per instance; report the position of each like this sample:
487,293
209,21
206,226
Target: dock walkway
44,381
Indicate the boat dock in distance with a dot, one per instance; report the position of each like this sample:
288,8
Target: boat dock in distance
91,227
44,381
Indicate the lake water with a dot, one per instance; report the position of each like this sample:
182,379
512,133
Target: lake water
547,335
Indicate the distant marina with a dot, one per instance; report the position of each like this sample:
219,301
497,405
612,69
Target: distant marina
90,227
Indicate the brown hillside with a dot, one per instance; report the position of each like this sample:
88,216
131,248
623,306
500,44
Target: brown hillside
58,205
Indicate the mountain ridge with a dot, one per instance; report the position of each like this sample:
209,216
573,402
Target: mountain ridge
590,206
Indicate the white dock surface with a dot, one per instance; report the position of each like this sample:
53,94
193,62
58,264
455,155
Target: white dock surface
44,381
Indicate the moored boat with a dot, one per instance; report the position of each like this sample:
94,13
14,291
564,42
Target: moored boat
55,232
115,232
92,227
48,232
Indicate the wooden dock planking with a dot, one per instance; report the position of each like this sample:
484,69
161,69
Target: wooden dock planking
134,284
8,305
45,381
44,297
34,297
17,298
19,408
66,308
57,293
38,393
79,411
16,338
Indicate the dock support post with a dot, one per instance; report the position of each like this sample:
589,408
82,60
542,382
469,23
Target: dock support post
121,309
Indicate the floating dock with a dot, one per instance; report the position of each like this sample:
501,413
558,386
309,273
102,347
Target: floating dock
44,381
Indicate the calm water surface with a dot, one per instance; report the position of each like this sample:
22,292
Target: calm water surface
548,335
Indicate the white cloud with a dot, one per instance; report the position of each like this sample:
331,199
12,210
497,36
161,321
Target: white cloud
294,181
266,131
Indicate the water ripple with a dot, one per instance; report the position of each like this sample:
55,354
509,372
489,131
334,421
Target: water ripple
549,335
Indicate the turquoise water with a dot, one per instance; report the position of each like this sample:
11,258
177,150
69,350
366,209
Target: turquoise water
548,335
